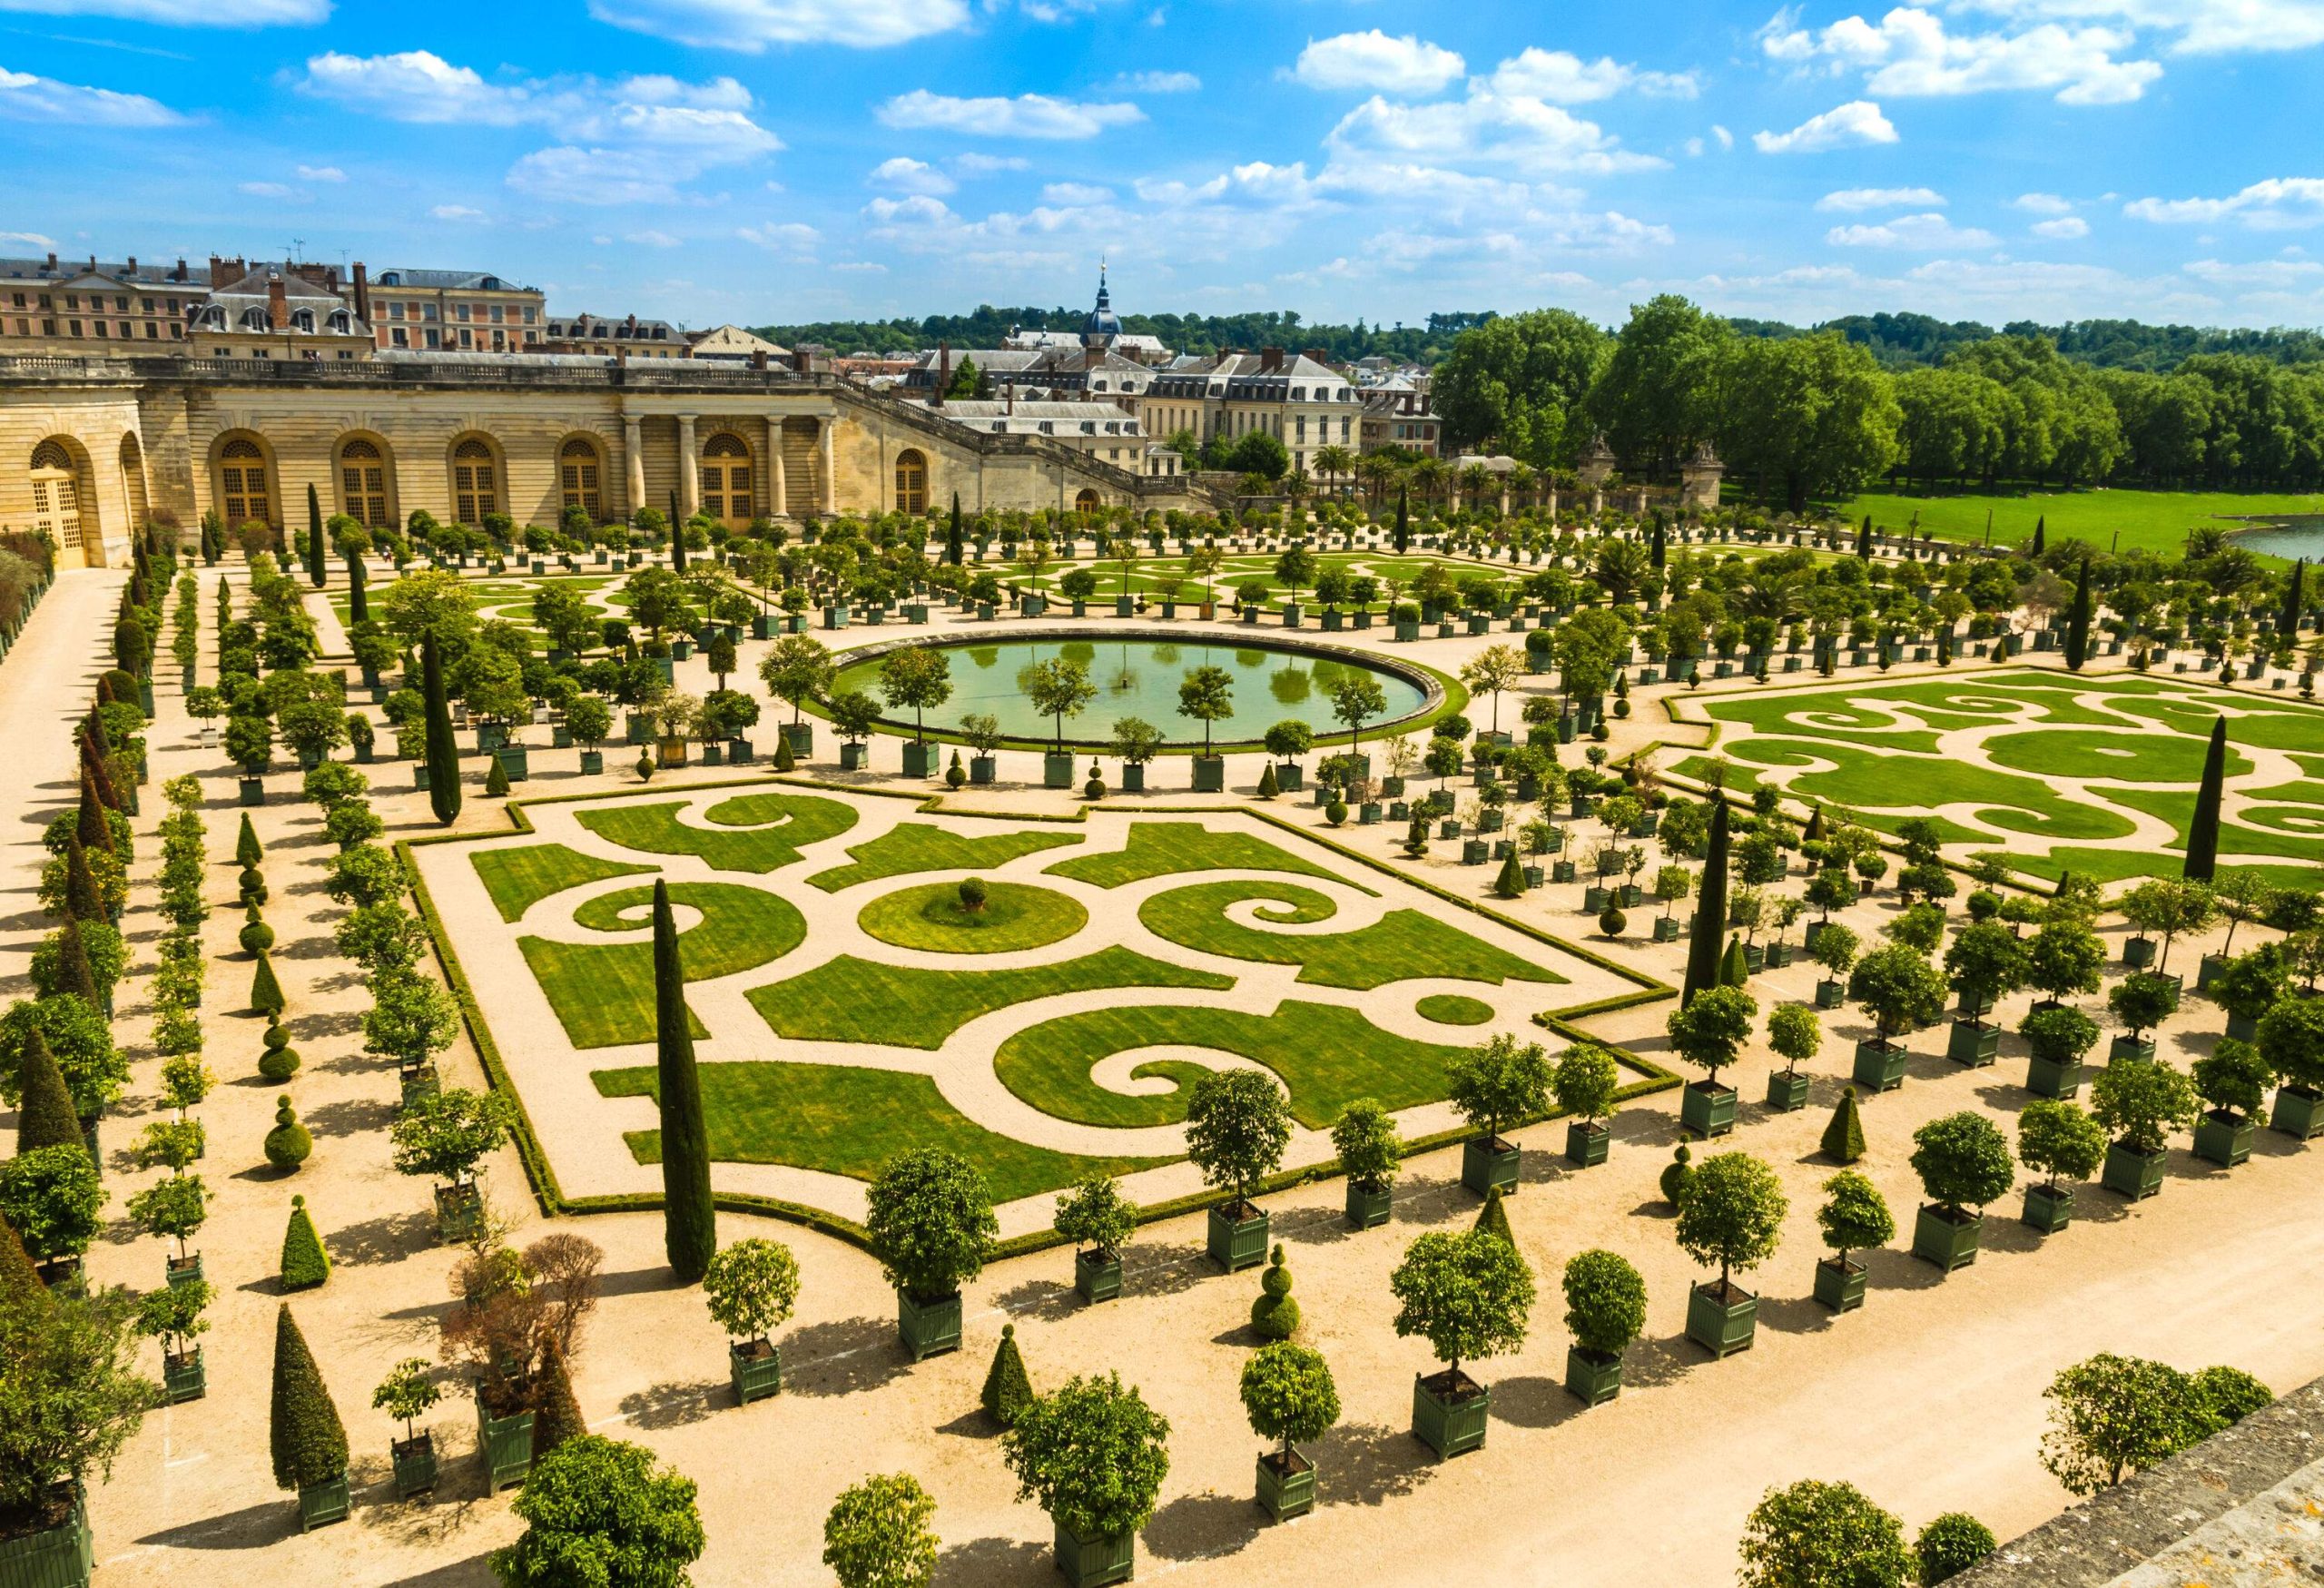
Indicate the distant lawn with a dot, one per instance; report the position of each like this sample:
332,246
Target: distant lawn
912,847
1327,1056
603,993
850,1000
1400,945
1451,1009
845,1120
772,829
518,879
1157,849
1014,916
2147,519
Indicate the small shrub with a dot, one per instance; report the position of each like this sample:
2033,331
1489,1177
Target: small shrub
1611,922
1842,1139
972,893
288,1145
1950,1544
305,1262
1274,1316
1676,1174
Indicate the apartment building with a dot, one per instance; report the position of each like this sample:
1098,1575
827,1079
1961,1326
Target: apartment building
97,307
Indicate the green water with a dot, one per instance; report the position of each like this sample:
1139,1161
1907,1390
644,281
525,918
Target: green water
1140,677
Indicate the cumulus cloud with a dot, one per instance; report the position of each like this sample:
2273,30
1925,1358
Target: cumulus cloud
1909,54
1563,78
2200,28
751,26
1158,82
791,237
456,213
974,164
1844,126
25,98
1374,60
1076,193
187,12
1926,233
2042,204
321,173
29,240
2275,204
1485,126
1854,200
906,174
1028,115
2065,228
2266,272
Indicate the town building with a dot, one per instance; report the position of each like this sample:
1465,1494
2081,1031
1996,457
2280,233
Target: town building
1296,397
428,311
628,338
1397,413
1095,430
98,307
732,342
1048,365
275,312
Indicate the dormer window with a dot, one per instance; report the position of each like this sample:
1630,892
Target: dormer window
303,320
254,318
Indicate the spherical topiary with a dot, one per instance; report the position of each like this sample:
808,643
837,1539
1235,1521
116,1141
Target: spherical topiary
1622,708
256,936
644,768
1950,1544
1274,1316
1600,731
955,775
1094,788
972,893
279,1061
1611,922
288,1145
253,886
1336,812
1676,1174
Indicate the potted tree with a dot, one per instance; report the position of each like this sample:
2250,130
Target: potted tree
750,1287
1093,1455
2292,1042
877,1533
798,669
1834,948
1502,1081
2248,987
1289,1394
51,1197
1605,1310
1468,1296
68,1375
2142,1001
174,1210
1854,1218
1238,1126
2065,959
853,714
407,1393
1286,742
1135,743
1095,1215
172,1316
2234,1081
2169,908
1207,695
304,1433
1732,1215
588,719
932,1226
982,731
2140,1105
446,1134
1986,962
1059,689
1962,1161
1708,1031
1586,1079
1796,1035
918,676
2059,1034
2058,1141
1900,992
1370,1153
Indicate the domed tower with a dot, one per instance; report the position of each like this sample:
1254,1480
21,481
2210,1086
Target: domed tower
1100,330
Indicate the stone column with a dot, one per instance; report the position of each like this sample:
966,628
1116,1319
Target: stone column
823,439
689,469
774,506
633,447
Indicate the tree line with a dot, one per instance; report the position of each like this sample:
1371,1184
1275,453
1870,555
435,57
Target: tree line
1198,334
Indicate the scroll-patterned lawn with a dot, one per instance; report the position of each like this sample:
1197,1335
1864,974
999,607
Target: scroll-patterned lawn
518,879
1157,849
912,847
1400,945
603,993
754,832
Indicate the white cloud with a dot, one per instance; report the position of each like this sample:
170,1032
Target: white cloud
2266,273
267,190
860,267
321,173
2065,228
186,12
1908,53
1028,115
2275,204
1925,233
25,98
1158,82
1563,78
1374,60
456,213
1076,193
1855,200
908,175
2042,204
974,164
2200,26
413,85
1857,121
653,239
751,26
1726,139
781,237
30,239
1520,132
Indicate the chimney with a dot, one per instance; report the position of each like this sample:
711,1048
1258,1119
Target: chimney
178,274
362,294
132,265
943,371
1270,360
278,301
758,358
217,270
800,361
51,264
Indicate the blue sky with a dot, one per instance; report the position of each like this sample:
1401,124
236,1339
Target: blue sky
787,160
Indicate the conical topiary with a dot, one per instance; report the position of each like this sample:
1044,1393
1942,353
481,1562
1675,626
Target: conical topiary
279,1060
1676,1174
305,1263
1007,1389
1734,970
784,761
89,824
75,974
1512,881
18,1276
45,1116
1711,907
81,899
2202,833
1274,1316
1844,1137
557,1411
256,936
496,780
303,1430
1268,786
248,850
288,1145
266,988
689,1220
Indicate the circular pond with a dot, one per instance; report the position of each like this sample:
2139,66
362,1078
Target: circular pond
1138,676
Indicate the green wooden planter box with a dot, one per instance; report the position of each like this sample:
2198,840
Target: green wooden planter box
253,791
1973,1043
2048,1208
1238,1243
62,1557
2297,1113
1367,1206
458,1210
1878,1067
2138,953
1284,1494
1098,1276
414,1465
802,737
2123,1049
1666,929
1088,1563
2224,1138
930,1328
1590,1379
853,756
2242,1028
592,762
1586,1144
1831,994
1706,1110
1722,1328
319,1504
189,1272
1786,1091
1451,1420
2208,972
183,1378
1948,1243
506,1447
1487,1162
2052,1077
920,760
2133,1174
1210,773
755,1376
1840,1287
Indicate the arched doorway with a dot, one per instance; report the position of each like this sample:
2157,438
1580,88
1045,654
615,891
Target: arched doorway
245,488
580,467
363,482
803,467
63,504
132,480
476,480
1087,502
912,482
726,480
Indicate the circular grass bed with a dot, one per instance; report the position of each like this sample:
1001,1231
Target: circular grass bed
1016,915
1450,1009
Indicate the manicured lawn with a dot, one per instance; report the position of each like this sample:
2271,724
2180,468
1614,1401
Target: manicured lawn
2153,520
850,1121
1400,944
910,847
518,879
2128,757
850,1000
1157,849
603,993
932,917
1451,1009
770,829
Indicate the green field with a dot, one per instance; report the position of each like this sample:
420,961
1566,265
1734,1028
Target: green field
603,993
2151,520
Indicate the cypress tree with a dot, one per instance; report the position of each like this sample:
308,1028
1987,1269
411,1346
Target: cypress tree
303,1431
2040,534
1008,1389
18,1276
45,1114
677,538
689,1222
2202,834
305,1262
953,550
81,899
2288,620
358,605
2078,620
1863,537
1710,908
1813,832
75,974
314,536
557,1410
248,850
1660,547
1843,1136
1404,518
93,762
90,825
443,755
266,988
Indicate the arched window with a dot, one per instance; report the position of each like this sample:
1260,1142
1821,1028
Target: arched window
912,482
363,483
475,490
242,483
726,480
56,494
578,470
1087,502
